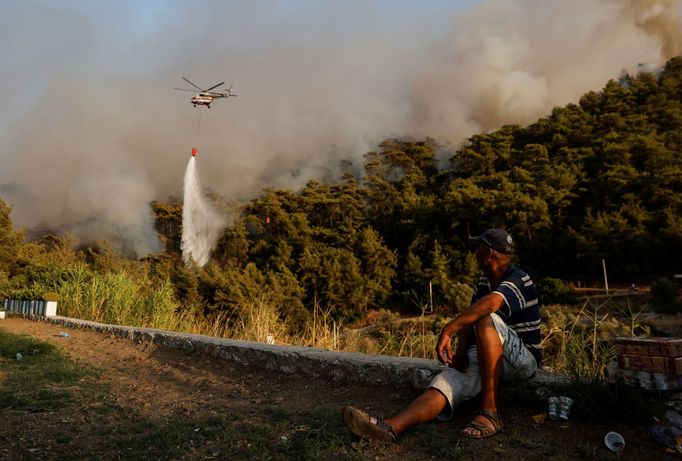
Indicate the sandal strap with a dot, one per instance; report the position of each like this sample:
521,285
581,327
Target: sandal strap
381,424
362,425
494,418
481,428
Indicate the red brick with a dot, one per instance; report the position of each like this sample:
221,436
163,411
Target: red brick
677,365
652,346
629,362
645,363
659,364
671,347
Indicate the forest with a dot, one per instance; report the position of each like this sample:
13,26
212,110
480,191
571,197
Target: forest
600,178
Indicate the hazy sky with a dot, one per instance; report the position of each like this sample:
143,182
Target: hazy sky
91,129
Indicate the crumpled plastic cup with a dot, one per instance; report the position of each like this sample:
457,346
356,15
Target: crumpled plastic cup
565,407
614,441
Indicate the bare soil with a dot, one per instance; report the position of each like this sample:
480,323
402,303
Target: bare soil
147,384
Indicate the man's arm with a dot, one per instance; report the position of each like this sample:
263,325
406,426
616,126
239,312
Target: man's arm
485,306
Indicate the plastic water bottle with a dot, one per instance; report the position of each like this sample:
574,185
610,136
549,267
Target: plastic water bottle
20,357
64,334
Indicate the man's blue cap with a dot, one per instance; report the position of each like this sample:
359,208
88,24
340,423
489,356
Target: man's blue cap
498,240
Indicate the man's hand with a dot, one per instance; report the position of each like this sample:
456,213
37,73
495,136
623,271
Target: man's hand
460,362
444,348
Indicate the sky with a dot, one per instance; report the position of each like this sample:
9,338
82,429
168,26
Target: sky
91,129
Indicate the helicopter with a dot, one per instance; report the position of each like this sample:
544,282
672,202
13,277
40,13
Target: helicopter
206,97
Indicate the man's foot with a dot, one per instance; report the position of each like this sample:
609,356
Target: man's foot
485,424
369,427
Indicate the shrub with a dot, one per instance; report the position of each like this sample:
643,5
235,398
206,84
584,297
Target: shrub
50,296
5,285
554,291
664,296
458,296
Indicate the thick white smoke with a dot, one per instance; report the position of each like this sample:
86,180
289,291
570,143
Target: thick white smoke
201,224
91,130
513,61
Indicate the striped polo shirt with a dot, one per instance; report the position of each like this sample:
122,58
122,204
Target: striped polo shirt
521,309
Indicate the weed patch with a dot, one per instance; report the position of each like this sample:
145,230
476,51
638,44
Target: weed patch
40,378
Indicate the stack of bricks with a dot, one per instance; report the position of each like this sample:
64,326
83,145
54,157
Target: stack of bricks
650,363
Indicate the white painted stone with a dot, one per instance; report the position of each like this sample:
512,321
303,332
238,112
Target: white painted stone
50,308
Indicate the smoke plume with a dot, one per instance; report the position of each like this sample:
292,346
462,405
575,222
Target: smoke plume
91,130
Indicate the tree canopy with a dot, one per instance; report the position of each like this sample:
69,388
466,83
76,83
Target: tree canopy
597,179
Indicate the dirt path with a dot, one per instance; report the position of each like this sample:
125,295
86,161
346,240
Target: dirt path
155,391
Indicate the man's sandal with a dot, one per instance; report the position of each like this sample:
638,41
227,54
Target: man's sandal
480,430
366,426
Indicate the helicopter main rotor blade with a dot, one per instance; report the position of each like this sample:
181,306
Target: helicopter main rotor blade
216,86
191,84
185,89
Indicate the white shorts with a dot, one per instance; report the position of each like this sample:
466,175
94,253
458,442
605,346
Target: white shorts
517,363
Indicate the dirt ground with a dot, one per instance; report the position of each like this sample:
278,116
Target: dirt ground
154,383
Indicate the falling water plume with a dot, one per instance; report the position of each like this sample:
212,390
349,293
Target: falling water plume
201,223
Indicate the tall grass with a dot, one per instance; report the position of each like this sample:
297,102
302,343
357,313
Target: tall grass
118,298
412,340
255,321
579,341
576,341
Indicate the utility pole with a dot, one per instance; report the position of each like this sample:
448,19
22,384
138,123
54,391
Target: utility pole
606,280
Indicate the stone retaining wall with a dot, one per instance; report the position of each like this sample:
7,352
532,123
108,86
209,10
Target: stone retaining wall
306,361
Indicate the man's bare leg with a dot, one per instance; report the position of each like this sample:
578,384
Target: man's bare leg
489,350
422,409
432,402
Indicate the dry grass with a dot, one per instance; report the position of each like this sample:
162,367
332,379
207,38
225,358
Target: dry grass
576,340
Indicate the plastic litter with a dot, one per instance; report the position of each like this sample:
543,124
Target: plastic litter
662,382
629,378
19,356
63,334
646,380
553,409
662,435
614,441
540,418
565,407
675,402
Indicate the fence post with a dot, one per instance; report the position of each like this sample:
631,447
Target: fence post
606,280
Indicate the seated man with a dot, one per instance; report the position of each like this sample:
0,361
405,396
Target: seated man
498,338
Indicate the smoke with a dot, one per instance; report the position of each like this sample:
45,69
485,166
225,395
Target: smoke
511,62
201,224
91,130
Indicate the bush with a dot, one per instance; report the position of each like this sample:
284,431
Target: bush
554,291
50,296
458,296
664,296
